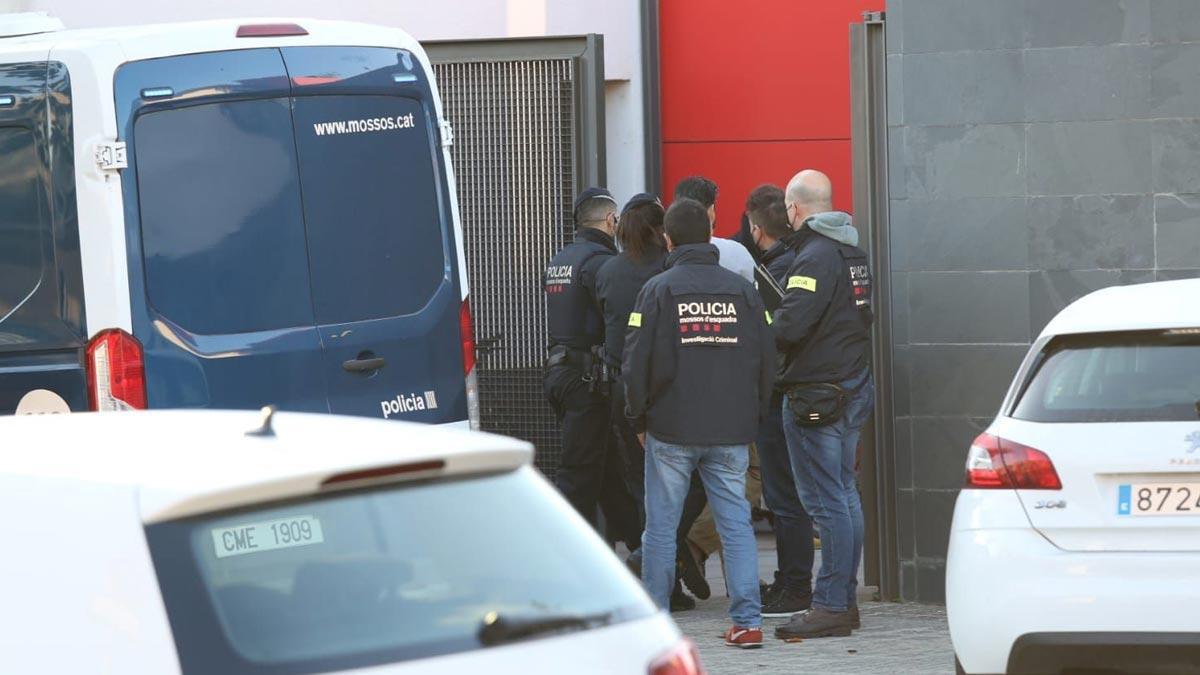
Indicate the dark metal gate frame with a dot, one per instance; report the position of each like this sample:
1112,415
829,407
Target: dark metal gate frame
868,113
528,116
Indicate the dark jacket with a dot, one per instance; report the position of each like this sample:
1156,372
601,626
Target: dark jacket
743,237
778,260
572,314
699,361
617,286
823,326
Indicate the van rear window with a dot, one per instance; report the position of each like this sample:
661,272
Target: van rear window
23,221
1120,377
222,226
371,205
381,576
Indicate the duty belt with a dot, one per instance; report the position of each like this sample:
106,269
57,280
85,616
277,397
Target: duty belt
562,355
594,369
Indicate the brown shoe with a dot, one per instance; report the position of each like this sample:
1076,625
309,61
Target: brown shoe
855,620
817,622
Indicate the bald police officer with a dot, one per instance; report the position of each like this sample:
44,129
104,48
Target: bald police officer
575,375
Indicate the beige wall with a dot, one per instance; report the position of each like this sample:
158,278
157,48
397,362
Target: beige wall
617,20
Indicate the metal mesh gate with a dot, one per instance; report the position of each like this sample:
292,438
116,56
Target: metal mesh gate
514,159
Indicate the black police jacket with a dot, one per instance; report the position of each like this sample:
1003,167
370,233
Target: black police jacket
617,286
778,260
699,359
572,314
823,325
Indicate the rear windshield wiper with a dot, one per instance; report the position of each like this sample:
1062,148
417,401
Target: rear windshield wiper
498,629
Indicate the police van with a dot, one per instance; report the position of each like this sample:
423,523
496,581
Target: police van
229,214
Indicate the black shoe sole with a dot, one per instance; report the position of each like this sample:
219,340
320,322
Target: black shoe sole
842,631
781,615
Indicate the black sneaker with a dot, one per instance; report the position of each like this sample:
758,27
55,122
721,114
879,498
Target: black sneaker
815,623
692,575
767,592
682,602
786,603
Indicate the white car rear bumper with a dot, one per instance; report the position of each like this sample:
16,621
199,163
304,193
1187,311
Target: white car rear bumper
1003,583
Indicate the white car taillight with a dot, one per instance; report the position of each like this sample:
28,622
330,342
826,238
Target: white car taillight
682,659
994,462
116,372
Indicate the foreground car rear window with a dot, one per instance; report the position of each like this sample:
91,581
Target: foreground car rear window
379,576
1115,377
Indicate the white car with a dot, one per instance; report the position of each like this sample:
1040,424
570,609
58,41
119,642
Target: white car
1076,541
208,542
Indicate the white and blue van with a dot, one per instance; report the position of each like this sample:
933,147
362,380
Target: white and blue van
229,214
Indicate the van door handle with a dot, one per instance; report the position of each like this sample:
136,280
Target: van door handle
364,365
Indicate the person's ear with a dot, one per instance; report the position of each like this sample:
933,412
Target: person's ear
670,244
712,216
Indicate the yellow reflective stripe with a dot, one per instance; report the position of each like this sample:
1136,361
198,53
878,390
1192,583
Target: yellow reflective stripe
769,319
635,319
807,283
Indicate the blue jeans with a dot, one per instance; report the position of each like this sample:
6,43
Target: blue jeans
823,461
722,469
793,529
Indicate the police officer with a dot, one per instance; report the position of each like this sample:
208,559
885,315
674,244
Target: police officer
698,370
792,590
643,252
823,331
576,377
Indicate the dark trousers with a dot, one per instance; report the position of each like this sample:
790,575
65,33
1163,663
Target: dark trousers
793,528
591,473
634,456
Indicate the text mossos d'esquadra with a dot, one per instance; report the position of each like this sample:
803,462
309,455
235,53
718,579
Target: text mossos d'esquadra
369,124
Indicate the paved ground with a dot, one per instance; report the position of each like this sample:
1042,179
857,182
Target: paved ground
895,638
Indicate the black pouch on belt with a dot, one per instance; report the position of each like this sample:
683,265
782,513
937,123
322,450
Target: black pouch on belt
815,405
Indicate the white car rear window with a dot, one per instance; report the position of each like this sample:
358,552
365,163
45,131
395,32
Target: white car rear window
381,576
1115,377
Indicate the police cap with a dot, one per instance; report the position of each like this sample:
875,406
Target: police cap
591,193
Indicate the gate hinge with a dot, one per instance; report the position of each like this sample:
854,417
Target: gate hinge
447,133
110,156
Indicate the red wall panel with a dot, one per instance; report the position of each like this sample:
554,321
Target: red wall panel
754,91
738,168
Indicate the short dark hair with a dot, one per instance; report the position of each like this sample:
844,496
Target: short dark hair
699,188
686,222
640,231
594,210
768,211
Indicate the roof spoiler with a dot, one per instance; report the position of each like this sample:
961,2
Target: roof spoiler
28,23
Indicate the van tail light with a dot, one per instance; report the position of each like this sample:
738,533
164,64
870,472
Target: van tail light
466,331
682,659
996,463
116,372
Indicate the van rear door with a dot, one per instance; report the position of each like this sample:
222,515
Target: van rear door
219,279
42,331
380,235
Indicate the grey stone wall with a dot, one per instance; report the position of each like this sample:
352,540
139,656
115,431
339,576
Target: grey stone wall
1038,150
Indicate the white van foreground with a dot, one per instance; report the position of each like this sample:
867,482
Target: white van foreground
210,542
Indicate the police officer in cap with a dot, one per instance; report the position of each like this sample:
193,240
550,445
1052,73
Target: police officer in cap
577,379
